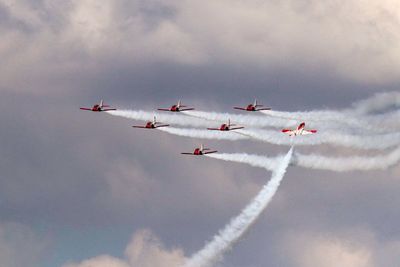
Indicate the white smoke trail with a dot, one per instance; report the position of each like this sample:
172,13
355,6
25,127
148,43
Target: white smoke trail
324,119
377,103
164,117
327,119
317,115
332,120
316,161
204,134
389,121
234,230
257,121
342,164
253,160
354,117
381,141
246,120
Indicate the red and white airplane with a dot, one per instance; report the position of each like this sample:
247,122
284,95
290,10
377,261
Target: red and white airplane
99,107
226,127
151,124
200,151
176,108
299,130
253,107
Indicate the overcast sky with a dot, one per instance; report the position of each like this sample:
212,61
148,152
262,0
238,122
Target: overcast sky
76,185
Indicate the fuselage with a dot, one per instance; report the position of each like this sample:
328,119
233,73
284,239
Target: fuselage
96,107
150,125
174,108
251,107
198,151
224,127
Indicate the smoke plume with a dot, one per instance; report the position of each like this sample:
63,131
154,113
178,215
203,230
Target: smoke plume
214,250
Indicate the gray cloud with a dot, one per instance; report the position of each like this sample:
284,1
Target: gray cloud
20,245
83,37
66,169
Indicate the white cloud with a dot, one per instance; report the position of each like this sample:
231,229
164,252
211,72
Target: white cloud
100,261
351,248
144,250
328,252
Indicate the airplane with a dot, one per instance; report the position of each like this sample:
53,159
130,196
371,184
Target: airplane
151,124
99,107
200,151
226,127
299,130
253,107
176,108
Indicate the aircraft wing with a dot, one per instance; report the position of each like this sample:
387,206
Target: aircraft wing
263,109
209,152
164,109
287,131
86,109
236,128
214,129
305,132
162,125
108,109
143,127
185,109
184,153
239,108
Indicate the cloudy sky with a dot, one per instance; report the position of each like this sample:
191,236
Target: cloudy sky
85,189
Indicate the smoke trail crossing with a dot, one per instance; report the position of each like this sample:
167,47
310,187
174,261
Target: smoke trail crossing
381,141
343,164
317,161
234,230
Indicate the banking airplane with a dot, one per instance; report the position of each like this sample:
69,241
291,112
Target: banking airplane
151,124
200,151
176,108
253,107
99,107
299,130
226,127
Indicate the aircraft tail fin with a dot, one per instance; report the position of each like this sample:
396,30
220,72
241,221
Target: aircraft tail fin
301,126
